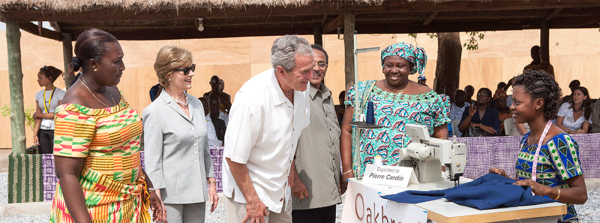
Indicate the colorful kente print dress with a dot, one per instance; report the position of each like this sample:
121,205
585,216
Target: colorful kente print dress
109,142
558,161
394,111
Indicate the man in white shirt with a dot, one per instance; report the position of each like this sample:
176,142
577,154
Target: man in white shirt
267,116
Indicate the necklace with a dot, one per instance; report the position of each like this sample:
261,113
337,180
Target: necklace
186,100
111,98
400,90
575,110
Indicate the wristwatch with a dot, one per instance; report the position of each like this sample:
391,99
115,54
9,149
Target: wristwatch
150,190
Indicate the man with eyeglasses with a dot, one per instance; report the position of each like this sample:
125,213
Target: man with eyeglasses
316,171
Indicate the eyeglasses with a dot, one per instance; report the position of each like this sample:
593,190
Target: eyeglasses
483,95
322,64
186,70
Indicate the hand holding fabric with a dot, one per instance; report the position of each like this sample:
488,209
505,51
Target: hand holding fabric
498,171
536,187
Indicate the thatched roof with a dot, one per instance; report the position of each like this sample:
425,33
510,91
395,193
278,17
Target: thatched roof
178,19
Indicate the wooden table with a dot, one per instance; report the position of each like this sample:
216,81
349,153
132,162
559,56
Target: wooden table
443,211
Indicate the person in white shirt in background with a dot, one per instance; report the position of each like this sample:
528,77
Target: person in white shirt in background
214,125
457,110
574,117
267,116
46,101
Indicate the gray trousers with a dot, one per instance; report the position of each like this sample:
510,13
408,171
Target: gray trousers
236,212
185,213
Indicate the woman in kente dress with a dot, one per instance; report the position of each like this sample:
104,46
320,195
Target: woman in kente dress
398,101
97,143
548,160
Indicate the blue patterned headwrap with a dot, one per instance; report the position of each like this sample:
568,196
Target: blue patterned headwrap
407,51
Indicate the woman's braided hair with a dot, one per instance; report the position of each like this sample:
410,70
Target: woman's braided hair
540,84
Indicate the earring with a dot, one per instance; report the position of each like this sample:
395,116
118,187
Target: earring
537,109
95,70
169,79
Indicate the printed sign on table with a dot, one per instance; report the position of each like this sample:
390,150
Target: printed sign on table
363,204
395,176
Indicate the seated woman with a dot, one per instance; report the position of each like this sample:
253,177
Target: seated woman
398,101
557,171
480,117
574,117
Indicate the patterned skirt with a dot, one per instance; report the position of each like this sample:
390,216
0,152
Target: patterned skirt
106,199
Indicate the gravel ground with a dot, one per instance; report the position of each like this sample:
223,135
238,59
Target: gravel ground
588,212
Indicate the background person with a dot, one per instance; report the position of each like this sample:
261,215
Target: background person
538,63
216,90
95,127
574,117
316,171
572,86
480,117
457,110
558,172
46,102
177,156
215,126
390,96
469,91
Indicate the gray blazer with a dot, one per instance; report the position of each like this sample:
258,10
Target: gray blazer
177,158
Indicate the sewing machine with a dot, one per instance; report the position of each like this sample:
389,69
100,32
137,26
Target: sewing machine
426,155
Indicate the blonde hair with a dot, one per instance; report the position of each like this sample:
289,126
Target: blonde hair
168,59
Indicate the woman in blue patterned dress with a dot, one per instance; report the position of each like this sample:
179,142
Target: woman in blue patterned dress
398,101
558,173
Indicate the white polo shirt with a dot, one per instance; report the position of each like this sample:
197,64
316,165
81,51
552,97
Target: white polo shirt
263,131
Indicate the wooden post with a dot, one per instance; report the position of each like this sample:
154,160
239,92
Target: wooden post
349,48
67,41
15,80
545,40
318,32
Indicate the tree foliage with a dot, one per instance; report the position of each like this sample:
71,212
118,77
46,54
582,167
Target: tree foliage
471,44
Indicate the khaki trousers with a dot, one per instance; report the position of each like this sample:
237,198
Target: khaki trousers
236,212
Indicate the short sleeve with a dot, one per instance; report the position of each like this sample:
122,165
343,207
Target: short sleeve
363,86
562,111
39,95
350,99
73,132
564,153
441,110
245,123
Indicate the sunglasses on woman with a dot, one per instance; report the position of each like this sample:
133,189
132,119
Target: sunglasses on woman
186,70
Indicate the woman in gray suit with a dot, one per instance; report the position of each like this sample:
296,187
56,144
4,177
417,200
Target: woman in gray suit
176,144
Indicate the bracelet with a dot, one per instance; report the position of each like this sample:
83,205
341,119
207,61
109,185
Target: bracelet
558,194
151,189
212,182
346,172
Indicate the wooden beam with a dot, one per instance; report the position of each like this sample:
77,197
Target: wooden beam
553,14
36,30
349,49
67,42
332,25
56,27
430,18
207,33
324,20
545,40
318,33
15,80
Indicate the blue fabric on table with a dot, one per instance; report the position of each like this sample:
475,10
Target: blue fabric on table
487,192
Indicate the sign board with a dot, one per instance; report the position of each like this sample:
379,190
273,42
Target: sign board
390,175
363,204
